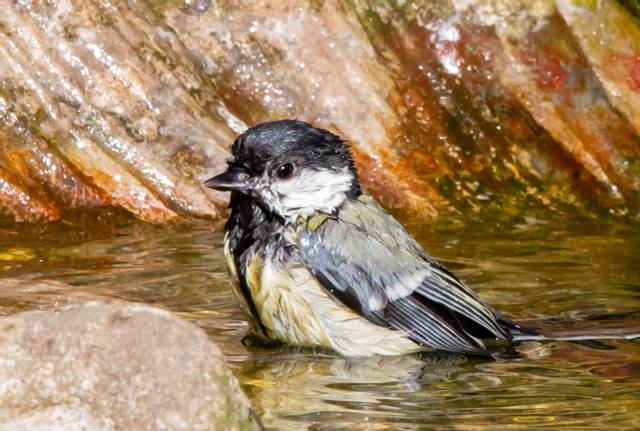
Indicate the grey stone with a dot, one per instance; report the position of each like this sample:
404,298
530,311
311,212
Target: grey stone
109,365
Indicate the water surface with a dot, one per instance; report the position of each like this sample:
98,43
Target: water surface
564,271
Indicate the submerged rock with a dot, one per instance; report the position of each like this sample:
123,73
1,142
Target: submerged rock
114,365
133,104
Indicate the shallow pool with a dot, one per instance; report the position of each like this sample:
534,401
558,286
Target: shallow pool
560,272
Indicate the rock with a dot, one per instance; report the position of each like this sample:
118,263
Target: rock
114,365
101,112
132,104
610,38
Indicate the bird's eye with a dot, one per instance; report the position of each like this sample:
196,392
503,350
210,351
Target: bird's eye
284,171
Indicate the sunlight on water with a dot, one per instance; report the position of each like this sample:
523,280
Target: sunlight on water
555,271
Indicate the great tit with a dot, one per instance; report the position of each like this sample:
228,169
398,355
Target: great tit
316,262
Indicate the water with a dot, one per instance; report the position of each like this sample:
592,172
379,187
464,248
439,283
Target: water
552,268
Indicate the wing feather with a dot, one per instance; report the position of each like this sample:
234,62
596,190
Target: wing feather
428,328
367,260
449,295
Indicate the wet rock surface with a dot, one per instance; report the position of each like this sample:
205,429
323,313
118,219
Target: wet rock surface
449,105
114,365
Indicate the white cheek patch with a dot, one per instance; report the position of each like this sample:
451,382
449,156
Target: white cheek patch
311,190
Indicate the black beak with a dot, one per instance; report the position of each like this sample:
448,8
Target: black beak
233,180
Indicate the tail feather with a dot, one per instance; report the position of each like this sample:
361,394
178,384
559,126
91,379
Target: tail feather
592,328
575,337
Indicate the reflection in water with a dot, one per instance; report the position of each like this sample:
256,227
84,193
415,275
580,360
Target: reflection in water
557,271
323,388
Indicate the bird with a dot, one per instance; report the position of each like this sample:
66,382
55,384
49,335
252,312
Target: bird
316,262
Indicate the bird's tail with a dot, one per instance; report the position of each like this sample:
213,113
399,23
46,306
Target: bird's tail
593,328
575,337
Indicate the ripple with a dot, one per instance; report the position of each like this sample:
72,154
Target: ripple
552,385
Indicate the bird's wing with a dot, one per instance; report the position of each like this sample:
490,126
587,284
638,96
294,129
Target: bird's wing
366,259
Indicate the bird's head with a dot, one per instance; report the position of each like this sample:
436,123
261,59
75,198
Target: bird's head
290,169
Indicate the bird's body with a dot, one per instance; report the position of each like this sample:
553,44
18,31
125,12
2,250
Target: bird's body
286,303
315,262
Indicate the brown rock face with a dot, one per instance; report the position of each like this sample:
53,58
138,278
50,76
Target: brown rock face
114,365
448,104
